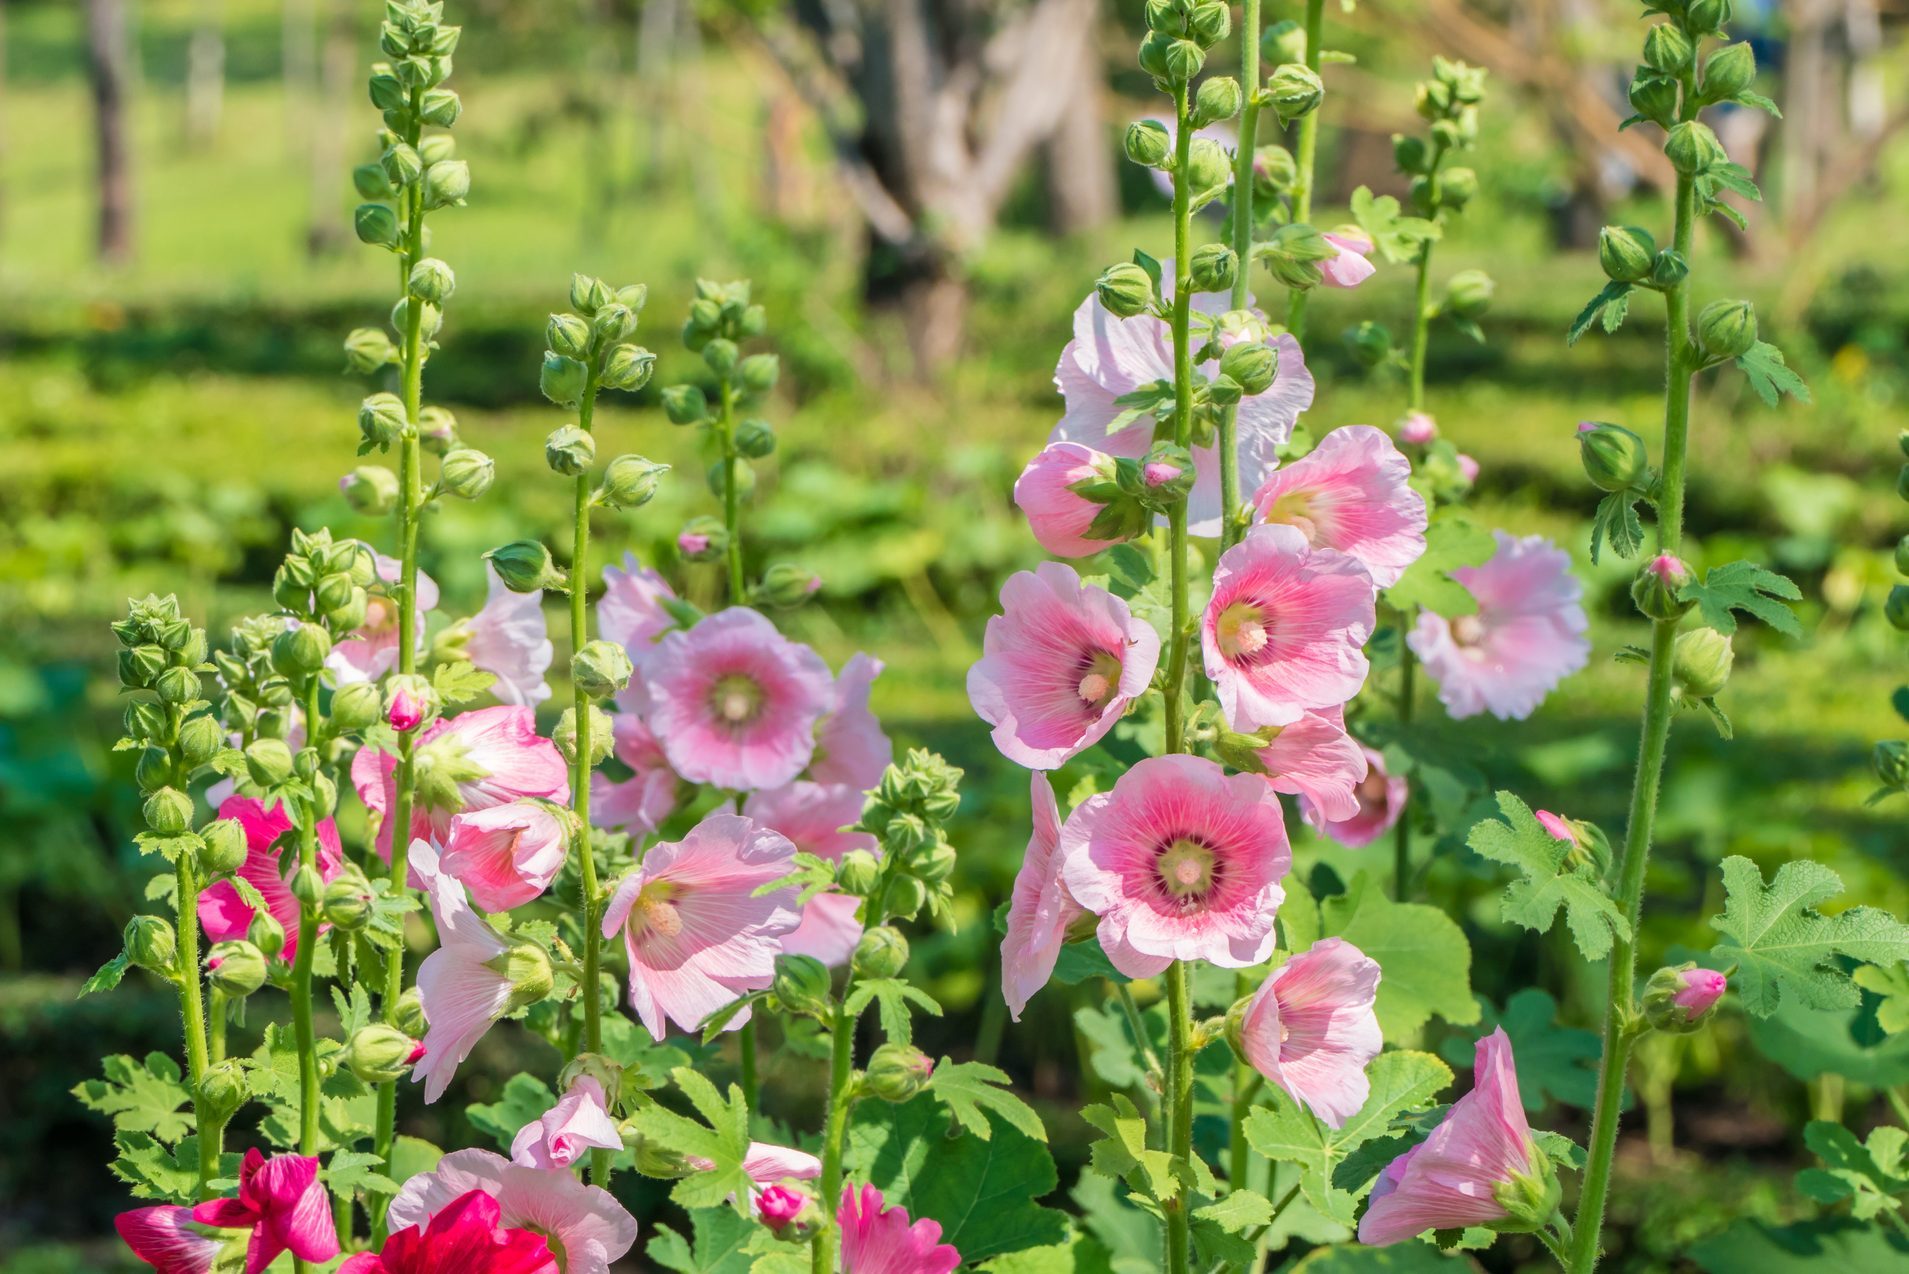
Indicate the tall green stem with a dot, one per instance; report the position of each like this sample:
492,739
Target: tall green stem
1179,1113
822,1244
192,1009
600,1160
732,495
1305,157
1402,830
308,916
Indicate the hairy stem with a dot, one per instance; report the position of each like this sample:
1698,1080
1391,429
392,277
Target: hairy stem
600,1160
1182,417
1179,1114
1305,157
1243,250
192,1009
732,495
822,1245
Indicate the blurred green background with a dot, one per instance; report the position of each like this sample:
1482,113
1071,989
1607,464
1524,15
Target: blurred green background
167,416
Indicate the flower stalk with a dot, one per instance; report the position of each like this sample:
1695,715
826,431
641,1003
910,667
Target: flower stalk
600,1162
1305,157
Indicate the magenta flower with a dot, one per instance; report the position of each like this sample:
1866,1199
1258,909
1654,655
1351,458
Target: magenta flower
1041,910
1417,429
1286,628
1181,861
1379,800
1059,666
1350,267
1701,988
1057,514
631,612
584,1223
1311,1028
640,803
778,1206
168,1239
734,702
1455,1177
813,816
372,650
1350,493
877,1239
467,1236
568,1131
1315,759
850,745
505,855
407,708
509,640
223,914
697,933
463,985
1527,636
282,1202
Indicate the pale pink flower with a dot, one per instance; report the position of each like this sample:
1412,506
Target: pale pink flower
850,746
1467,467
284,1205
1041,910
1315,759
767,1164
372,649
461,993
168,1239
509,640
268,832
1451,1179
734,702
467,1236
568,1131
1057,514
585,1223
505,855
1350,267
877,1239
1181,861
1286,628
631,612
1351,493
1311,1028
1417,429
640,803
692,543
1059,666
1380,800
813,816
1701,988
697,933
1527,636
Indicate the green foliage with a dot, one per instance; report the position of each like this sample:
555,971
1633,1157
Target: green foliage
460,682
892,996
1809,1042
349,1171
1122,1152
525,1097
1397,237
153,1171
721,1240
1827,1245
1549,879
1607,309
723,1140
1868,1174
1770,376
973,1090
1784,947
1891,982
1554,1062
1747,587
146,1096
1422,954
1450,543
1617,523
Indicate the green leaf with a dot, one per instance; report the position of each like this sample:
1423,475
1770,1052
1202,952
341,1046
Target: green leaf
1122,1152
968,1089
1784,947
168,847
1400,1258
1113,1055
1618,524
1756,101
723,1140
1450,543
352,1170
1827,1245
108,976
1548,879
721,1237
1554,1062
1397,237
1869,1174
155,1172
1607,309
1422,954
1770,376
893,996
1891,982
1747,587
460,682
141,1097
1849,1042
525,1097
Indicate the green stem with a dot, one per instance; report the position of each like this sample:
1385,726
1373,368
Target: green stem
1179,1112
600,1160
215,1024
1138,1025
1243,250
1401,830
1421,327
1898,1104
732,498
308,917
1305,157
191,1007
1175,686
841,1068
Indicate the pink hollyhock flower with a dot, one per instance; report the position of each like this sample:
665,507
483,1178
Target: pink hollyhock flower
372,650
697,933
1181,861
1350,267
282,1202
734,702
1311,1028
565,1133
509,640
1057,514
640,803
1059,666
468,762
1315,759
1350,493
778,1206
223,914
1417,429
505,855
1041,910
1527,636
1701,988
1455,1177
877,1239
850,745
584,1223
462,984
813,816
1109,357
631,611
1379,800
1467,467
1286,628
466,1237
168,1239
407,708
767,1164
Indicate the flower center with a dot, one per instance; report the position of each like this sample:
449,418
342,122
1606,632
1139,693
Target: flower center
1295,510
736,699
1468,630
1100,679
1241,631
656,910
1186,869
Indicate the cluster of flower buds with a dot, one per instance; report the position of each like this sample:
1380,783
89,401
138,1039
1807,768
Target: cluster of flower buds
1670,66
907,812
419,173
1179,35
589,348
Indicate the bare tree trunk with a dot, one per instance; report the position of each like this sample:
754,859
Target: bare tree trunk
1078,160
785,178
655,43
337,60
108,57
205,75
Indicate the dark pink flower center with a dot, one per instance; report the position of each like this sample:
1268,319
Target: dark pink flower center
1187,870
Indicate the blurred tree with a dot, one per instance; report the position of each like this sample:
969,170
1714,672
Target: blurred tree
336,68
109,60
205,74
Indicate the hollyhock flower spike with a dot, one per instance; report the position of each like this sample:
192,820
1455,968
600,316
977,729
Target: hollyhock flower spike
640,803
877,1239
282,1202
1041,911
1181,861
509,640
696,932
568,1131
1059,666
1527,636
1351,493
505,855
1350,267
631,611
372,650
1311,1028
1315,759
1286,628
850,746
168,1239
813,816
466,1237
223,914
1057,513
584,1223
1379,800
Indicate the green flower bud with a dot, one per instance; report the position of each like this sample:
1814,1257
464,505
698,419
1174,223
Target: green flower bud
370,489
200,739
1896,608
1296,91
466,473
432,280
381,419
177,685
1700,663
446,184
785,586
600,669
1658,587
759,373
1163,15
387,92
628,367
1251,365
604,1070
437,148
1283,41
380,1053
408,1016
563,379
1680,999
570,451
703,539
1468,295
721,356
1667,49
685,405
301,651
897,1072
153,771
376,225
222,1091
266,933
755,438
588,295
402,165
369,350
629,482
1902,546
881,952
1208,168
1368,342
1615,459
268,762
1726,329
1457,187
347,900
235,968
705,317
1209,23
1728,71
1126,290
1274,171
1706,17
716,478
1171,61
1219,98
1902,493
1410,155
802,986
370,182
150,944
1292,255
613,322
528,969
1148,144
1655,98
1627,253
437,430
936,864
1693,148
1668,268
1212,267
857,872
1529,1201
430,317
440,107
568,335
602,741
356,706
222,847
1890,760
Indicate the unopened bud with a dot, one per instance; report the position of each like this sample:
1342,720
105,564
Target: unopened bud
785,585
432,280
1729,71
347,900
588,295
1208,168
411,701
1126,290
408,1016
881,952
1615,459
1148,143
570,451
1209,22
567,334
268,762
527,968
1468,295
758,373
1219,98
368,349
1212,268
685,405
1369,343
380,1053
1667,49
1681,999
524,566
222,1090
562,379
1726,329
1283,41
897,1072
1658,587
703,539
446,184
1706,17
1693,148
236,968
1655,98
601,740
467,473
1626,253
222,848
150,944
266,933
1252,365
1700,663
437,430
370,489
601,669
857,872
629,482
301,651
755,438
721,356
376,225
1296,91
381,419
801,985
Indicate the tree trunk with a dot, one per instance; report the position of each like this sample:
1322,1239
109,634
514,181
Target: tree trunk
205,75
337,62
934,307
109,60
1077,162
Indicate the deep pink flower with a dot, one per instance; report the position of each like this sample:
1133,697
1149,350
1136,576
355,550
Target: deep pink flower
1527,636
509,640
697,933
1059,666
407,708
631,611
1315,759
1350,267
223,914
1181,861
880,1240
777,1206
568,1131
1451,1179
640,803
372,650
284,1205
1286,628
734,702
168,1239
505,855
813,816
462,993
467,1236
1057,514
1350,493
1041,910
1557,826
850,745
1311,1028
585,1223
1380,800
1417,429
1701,989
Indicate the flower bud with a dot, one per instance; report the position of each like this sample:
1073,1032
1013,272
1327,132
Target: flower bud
376,225
1700,663
432,280
150,944
1726,329
1417,429
602,739
1209,23
1693,148
177,685
721,356
1368,342
1208,168
604,1070
628,367
1468,295
235,968
1667,49
857,872
1212,268
1729,71
1658,585
1615,459
408,1016
588,295
369,350
370,182
1896,608
906,896
1627,253
568,335
1169,60
1126,290
527,967
222,847
1283,41
437,430
881,952
759,373
685,405
402,165
717,478
562,379
755,438
153,771
1457,187
802,986
1706,17
168,811
569,450
410,701
1296,91
300,651
1251,365
381,419
600,669
629,482
380,1053
200,739
1219,98
222,1091
1655,98
1902,548
787,1212
1681,999
1890,760
466,473
347,900
897,1072
356,706
612,323
784,586
1149,144
702,539
370,489
446,184
524,566
440,108
268,762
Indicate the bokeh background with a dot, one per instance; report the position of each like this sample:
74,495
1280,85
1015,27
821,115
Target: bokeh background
177,270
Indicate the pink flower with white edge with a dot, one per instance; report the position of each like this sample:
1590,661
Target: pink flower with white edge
468,762
509,640
1315,759
1059,666
734,702
467,1236
168,1239
1110,356
640,803
766,1164
1181,861
1311,1028
1285,630
505,855
631,611
1041,909
850,746
1351,493
1379,801
877,1239
284,1205
1527,636
223,914
584,1225
813,816
1057,513
568,1131
372,649
1478,1164
1350,267
1417,429
697,933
